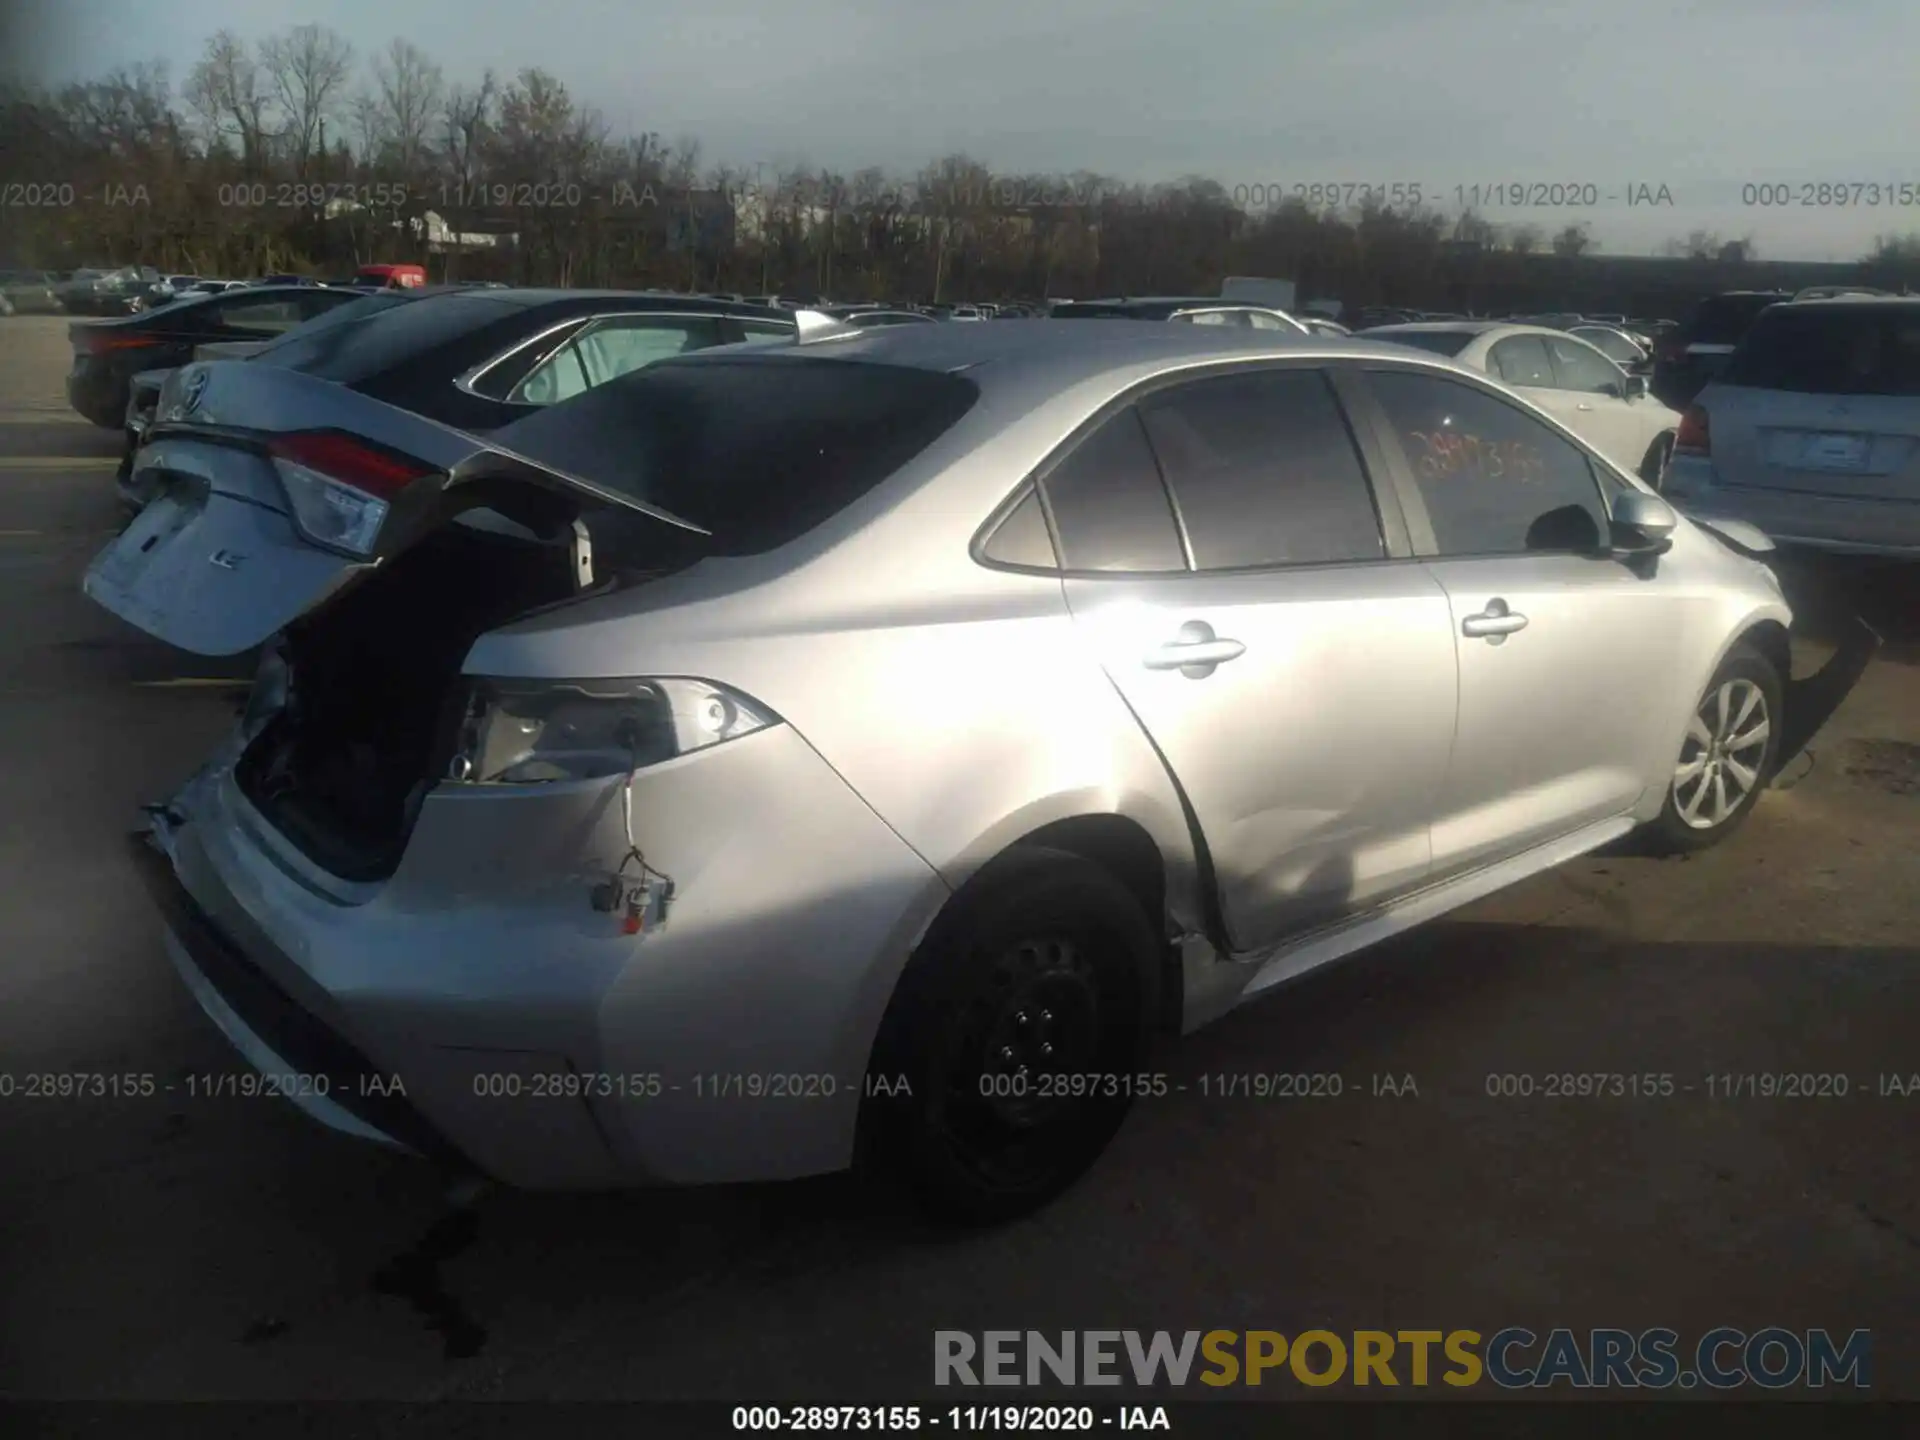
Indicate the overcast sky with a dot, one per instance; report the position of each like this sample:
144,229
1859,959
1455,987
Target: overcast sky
1701,97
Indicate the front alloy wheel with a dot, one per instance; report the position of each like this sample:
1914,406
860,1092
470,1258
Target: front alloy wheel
1725,747
1729,753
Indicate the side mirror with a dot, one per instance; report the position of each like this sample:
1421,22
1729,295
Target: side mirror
1642,524
1636,386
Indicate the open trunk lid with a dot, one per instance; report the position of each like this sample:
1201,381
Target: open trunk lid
275,491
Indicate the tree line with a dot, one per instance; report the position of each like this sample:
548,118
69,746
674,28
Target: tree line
296,153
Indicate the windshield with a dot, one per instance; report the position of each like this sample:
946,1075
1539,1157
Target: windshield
1438,342
1832,350
756,450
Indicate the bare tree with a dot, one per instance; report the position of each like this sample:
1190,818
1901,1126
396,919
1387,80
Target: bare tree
409,92
228,96
308,69
1525,240
1573,240
1696,245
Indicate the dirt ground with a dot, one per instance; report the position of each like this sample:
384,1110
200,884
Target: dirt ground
162,1247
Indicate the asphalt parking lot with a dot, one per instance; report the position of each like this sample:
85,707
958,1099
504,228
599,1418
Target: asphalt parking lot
170,1247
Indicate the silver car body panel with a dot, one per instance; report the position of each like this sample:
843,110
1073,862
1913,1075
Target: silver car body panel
934,711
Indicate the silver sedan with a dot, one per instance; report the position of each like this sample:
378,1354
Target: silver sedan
878,746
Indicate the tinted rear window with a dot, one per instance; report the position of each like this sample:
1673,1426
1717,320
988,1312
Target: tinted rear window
1832,350
1723,319
757,451
1438,342
393,328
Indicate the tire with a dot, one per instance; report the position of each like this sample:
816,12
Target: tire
1655,463
1686,823
1038,933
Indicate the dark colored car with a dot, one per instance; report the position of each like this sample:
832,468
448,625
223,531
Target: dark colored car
1688,357
29,292
108,353
479,358
144,387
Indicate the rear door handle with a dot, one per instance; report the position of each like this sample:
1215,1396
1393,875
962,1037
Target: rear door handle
1493,624
1194,652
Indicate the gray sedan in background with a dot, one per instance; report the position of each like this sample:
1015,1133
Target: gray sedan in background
871,748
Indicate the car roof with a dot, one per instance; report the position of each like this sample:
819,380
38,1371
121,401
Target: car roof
1048,354
1455,327
656,299
1148,305
1850,302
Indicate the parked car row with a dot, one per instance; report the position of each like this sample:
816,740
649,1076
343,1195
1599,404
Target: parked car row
879,709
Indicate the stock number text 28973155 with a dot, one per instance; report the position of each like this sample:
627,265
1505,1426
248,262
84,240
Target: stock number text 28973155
1438,454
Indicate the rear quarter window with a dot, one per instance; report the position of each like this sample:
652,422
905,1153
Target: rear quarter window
1831,350
755,449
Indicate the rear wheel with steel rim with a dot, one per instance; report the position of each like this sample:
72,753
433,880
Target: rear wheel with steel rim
1727,756
1021,1029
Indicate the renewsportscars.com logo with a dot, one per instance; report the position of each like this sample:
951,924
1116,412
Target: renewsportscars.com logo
1513,1359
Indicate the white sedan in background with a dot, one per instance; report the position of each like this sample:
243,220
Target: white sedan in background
1566,377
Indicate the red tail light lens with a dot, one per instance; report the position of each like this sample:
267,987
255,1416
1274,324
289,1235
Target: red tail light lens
379,473
1693,436
103,342
339,487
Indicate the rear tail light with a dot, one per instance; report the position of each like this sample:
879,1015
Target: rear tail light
1693,436
102,342
542,732
341,487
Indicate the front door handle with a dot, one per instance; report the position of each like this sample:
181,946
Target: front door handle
1493,624
1583,405
1194,652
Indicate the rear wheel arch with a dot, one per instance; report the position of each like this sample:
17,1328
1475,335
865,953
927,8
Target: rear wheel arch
1122,847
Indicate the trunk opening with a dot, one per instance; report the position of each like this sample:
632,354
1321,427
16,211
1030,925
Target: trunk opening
374,699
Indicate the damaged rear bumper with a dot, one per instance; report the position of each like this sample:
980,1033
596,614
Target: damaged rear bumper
1811,702
315,1068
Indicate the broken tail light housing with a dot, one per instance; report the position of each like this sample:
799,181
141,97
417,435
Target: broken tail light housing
341,487
541,732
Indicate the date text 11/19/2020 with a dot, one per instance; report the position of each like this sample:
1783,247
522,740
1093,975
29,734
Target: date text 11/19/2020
960,1419
1481,195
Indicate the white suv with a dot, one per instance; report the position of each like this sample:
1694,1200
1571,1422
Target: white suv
1812,432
